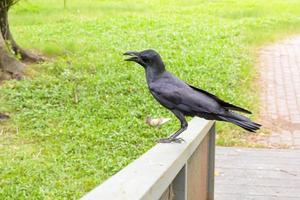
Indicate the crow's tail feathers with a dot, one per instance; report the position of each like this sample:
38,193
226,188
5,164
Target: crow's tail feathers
241,121
247,125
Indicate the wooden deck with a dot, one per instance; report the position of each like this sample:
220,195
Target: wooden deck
257,174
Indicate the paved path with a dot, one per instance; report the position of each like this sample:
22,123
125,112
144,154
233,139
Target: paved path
257,174
269,174
280,81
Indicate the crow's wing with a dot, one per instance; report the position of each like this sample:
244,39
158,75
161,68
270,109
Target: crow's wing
181,97
221,102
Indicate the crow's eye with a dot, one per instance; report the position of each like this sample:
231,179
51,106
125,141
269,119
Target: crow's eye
145,59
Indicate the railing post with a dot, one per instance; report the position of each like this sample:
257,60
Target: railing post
179,185
211,162
197,172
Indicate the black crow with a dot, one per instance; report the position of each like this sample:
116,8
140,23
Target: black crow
184,99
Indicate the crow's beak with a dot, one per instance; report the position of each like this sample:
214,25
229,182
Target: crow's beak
134,56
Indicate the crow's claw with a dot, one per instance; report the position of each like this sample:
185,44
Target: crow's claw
170,140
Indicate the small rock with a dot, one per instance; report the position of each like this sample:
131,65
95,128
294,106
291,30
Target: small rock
3,116
157,121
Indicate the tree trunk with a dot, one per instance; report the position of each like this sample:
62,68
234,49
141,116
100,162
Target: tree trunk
7,35
10,67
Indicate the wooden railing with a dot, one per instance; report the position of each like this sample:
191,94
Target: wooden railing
176,171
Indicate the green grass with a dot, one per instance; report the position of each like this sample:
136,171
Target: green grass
57,148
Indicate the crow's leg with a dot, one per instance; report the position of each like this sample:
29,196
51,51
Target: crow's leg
184,125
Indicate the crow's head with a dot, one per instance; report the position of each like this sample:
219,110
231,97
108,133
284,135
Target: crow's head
146,58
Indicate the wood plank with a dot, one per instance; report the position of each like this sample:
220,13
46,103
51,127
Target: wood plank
211,163
252,197
197,170
256,174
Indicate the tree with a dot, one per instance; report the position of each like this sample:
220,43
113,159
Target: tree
10,66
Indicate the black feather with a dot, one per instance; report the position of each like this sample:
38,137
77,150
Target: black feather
221,102
241,121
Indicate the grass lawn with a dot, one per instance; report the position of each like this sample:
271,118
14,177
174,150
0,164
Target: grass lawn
58,146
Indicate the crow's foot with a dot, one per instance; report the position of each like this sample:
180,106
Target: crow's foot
170,140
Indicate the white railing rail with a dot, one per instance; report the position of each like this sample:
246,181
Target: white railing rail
176,171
